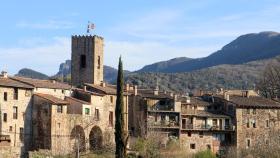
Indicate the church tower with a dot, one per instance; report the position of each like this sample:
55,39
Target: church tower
87,60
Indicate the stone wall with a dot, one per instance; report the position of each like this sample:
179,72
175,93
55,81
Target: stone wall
13,126
267,125
92,48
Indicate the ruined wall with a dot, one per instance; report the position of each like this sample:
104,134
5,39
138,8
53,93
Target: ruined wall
201,142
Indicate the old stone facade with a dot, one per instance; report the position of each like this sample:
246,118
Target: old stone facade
87,60
46,114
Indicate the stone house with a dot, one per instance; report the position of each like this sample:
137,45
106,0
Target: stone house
17,105
257,119
153,112
204,126
15,112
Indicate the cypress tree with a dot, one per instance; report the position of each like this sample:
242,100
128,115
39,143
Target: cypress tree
121,137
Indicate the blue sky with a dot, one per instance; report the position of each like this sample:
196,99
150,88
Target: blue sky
36,34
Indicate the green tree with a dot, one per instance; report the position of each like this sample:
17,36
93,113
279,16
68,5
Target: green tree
121,136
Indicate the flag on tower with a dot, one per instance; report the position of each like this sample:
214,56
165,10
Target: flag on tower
91,26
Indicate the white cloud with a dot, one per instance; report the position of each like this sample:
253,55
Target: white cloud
50,24
44,58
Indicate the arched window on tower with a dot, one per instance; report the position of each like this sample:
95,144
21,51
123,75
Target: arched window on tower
83,61
98,62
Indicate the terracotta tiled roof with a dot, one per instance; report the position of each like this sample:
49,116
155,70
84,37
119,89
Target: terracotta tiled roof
54,100
89,92
199,101
42,83
108,89
252,101
149,93
78,100
203,113
8,82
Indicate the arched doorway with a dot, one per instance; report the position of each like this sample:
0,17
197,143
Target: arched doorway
95,138
78,138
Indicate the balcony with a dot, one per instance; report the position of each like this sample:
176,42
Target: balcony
207,127
161,108
163,124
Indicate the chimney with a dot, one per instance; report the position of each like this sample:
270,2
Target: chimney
135,90
103,84
156,92
226,96
200,93
188,100
247,94
127,87
85,88
175,97
4,74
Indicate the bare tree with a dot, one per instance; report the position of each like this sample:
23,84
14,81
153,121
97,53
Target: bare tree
269,83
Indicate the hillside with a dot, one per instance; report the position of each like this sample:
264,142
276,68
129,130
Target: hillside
222,76
25,72
246,48
161,66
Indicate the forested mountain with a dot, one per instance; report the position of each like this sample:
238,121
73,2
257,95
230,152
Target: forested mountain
25,72
242,76
246,48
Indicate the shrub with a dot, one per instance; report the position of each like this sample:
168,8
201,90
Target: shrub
204,154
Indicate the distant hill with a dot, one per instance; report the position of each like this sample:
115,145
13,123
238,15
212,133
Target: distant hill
246,48
161,66
242,76
110,73
25,72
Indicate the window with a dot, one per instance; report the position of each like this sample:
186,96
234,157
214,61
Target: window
15,112
248,143
58,125
254,111
11,128
83,61
54,90
111,99
5,96
87,111
254,123
226,123
200,134
96,114
63,91
98,62
192,146
21,134
248,123
111,118
27,93
15,93
59,108
208,146
5,117
266,141
189,134
248,111
162,102
267,123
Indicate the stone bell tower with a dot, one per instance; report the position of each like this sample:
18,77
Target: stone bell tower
87,60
